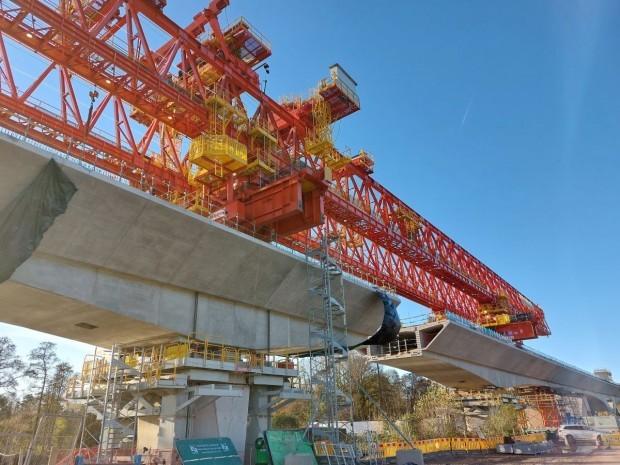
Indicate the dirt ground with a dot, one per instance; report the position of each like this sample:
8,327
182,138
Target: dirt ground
587,455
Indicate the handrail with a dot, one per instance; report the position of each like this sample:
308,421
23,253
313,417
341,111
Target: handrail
460,321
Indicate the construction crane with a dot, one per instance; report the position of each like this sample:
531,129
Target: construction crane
168,114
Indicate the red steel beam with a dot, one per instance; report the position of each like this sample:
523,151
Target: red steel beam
361,204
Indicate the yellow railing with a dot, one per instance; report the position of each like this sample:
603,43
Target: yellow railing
155,362
611,439
427,446
206,150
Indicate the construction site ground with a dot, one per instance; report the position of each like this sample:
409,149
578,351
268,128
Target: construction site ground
589,455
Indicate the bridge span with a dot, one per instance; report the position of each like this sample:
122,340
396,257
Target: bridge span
122,267
461,355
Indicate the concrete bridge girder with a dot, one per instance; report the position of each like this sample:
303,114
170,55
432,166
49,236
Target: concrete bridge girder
465,358
139,268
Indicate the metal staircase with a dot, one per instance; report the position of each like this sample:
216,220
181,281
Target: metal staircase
119,410
328,342
104,388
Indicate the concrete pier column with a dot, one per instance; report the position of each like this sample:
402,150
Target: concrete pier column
167,430
258,420
224,417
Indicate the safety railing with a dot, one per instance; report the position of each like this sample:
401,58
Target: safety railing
427,446
340,454
416,320
157,362
334,80
488,332
459,320
561,363
242,22
398,347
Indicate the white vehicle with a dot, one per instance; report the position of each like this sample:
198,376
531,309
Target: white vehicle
580,433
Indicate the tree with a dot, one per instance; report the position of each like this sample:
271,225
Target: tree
436,414
42,362
501,421
11,366
57,386
7,406
284,421
414,387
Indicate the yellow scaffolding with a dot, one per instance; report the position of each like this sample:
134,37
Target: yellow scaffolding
215,152
211,150
263,142
320,140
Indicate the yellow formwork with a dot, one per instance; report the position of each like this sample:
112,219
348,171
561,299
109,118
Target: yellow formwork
262,163
175,351
411,224
208,74
153,362
335,160
198,176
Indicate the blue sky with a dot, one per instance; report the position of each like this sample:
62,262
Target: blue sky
497,121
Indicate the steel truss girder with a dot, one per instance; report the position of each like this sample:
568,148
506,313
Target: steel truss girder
373,263
363,206
387,239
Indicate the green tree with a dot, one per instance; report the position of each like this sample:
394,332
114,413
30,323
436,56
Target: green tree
11,366
56,388
501,421
284,421
436,414
7,406
41,367
292,416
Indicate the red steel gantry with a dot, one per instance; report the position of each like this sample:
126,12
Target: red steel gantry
168,113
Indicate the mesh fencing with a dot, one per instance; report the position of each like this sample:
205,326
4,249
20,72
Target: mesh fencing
55,440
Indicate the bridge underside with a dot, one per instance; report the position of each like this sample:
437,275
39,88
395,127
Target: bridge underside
465,358
123,266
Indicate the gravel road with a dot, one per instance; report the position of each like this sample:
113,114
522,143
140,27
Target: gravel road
587,455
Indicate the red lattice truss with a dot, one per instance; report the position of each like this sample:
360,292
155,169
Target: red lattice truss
106,45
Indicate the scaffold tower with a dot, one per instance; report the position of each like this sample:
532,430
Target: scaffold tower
109,386
329,352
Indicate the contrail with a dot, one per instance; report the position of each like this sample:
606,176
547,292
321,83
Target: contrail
467,110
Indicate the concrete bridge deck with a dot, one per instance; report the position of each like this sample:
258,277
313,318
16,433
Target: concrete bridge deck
123,266
462,356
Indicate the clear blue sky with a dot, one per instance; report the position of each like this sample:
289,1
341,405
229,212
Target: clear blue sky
497,121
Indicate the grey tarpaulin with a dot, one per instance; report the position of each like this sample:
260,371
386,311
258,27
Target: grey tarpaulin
24,221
